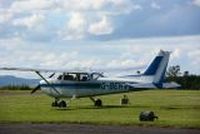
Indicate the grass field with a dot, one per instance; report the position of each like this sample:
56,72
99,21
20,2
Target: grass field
174,108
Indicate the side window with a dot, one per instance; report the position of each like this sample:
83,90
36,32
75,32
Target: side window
68,77
84,77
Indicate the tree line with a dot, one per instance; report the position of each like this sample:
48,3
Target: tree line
16,87
185,79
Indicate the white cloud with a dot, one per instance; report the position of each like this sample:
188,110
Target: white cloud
155,5
75,28
79,25
177,53
78,19
125,6
5,16
194,56
30,5
122,6
11,44
29,22
90,17
137,7
132,53
196,2
77,5
102,27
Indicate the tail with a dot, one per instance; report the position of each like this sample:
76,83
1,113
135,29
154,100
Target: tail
154,75
158,67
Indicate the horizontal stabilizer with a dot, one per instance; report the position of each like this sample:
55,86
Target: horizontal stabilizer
143,85
168,85
171,85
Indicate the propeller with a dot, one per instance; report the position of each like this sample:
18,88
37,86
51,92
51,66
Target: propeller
51,75
35,89
38,86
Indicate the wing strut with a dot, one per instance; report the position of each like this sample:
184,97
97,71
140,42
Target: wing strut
38,73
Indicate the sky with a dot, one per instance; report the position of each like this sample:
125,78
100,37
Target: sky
89,34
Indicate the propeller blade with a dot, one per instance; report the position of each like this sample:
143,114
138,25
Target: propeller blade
35,89
52,75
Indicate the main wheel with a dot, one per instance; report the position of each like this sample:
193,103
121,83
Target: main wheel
98,103
62,104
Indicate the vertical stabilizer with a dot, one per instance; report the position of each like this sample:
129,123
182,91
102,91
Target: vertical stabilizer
158,67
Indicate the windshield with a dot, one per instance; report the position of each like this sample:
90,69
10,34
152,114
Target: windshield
95,76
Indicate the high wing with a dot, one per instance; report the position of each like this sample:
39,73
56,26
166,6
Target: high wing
26,69
76,70
36,70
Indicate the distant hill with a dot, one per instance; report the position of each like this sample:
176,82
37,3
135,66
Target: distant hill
8,80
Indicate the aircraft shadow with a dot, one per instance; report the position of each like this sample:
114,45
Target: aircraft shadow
174,107
102,107
124,107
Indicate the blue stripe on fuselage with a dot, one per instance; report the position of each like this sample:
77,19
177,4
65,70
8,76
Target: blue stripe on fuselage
111,85
73,85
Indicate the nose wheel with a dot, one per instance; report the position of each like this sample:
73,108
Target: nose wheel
60,104
97,102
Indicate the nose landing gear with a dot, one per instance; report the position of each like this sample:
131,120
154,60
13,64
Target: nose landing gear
97,102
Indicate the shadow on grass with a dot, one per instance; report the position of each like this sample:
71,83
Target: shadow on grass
181,107
63,109
102,107
173,107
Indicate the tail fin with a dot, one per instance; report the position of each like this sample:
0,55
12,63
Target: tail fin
158,66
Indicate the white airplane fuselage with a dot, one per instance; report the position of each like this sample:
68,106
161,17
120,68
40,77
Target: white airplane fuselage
93,87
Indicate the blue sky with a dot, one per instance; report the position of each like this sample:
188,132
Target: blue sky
98,33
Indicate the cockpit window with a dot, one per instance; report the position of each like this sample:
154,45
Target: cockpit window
95,76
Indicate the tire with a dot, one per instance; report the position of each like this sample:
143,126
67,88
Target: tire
98,103
62,104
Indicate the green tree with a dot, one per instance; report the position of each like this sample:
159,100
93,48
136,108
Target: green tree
186,80
173,71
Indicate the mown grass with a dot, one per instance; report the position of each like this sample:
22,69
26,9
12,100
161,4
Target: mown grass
174,108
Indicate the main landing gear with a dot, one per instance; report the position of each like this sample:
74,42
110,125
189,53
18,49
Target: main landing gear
97,102
59,103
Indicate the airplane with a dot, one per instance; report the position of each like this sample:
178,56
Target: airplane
79,84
